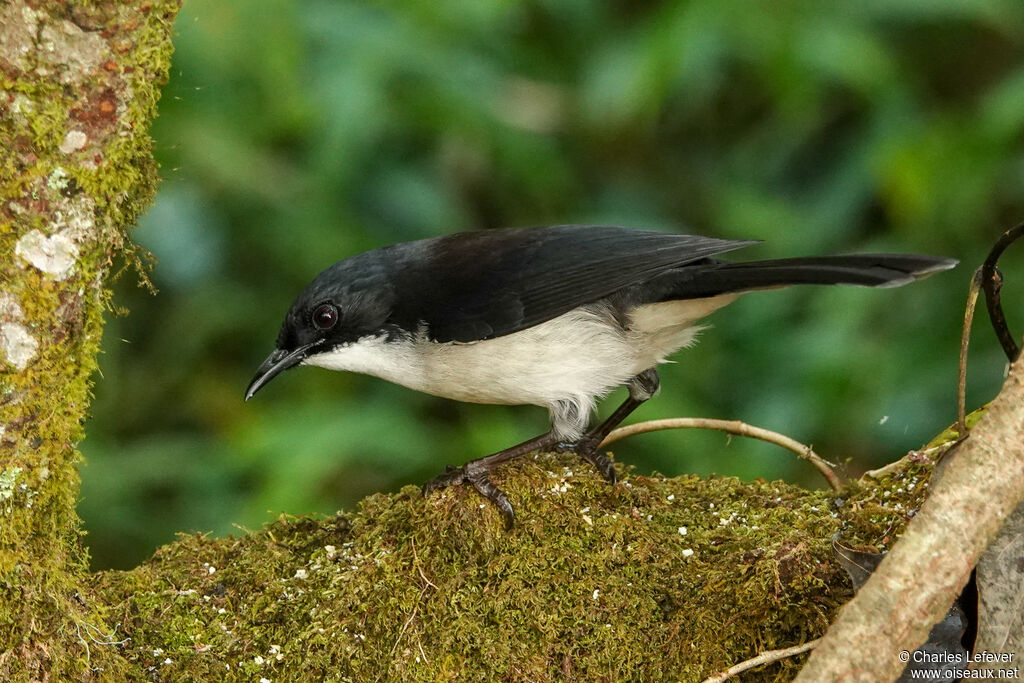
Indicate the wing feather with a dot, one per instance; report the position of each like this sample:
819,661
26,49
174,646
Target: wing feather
480,285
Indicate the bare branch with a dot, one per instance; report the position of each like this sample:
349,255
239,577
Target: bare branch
766,657
733,427
965,340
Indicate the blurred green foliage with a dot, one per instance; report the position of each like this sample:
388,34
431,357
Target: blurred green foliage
293,134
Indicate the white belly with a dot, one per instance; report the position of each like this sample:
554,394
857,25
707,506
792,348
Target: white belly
572,359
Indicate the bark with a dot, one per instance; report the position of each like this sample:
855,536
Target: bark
917,582
79,83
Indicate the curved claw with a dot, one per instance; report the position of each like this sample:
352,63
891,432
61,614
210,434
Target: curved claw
452,475
486,488
603,464
587,449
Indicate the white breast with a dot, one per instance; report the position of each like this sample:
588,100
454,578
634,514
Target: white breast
569,361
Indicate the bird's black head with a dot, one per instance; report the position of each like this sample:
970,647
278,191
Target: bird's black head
347,302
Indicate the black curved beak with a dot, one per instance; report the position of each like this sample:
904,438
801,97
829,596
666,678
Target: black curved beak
276,363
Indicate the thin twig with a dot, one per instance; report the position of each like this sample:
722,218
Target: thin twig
733,427
416,560
405,627
763,658
965,340
992,282
895,465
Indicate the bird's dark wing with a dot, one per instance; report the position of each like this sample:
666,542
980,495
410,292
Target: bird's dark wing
479,285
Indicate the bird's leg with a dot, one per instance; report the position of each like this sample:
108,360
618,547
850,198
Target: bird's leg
475,472
641,388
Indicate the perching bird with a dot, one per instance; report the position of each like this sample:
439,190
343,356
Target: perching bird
555,317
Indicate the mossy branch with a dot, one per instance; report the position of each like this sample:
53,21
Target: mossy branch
650,579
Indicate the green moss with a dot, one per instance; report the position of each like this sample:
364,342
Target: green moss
951,433
653,579
49,624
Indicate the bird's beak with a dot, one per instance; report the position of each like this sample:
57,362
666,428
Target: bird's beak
277,362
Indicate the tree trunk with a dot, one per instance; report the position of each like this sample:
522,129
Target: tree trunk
80,84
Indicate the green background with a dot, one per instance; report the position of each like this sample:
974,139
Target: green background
293,134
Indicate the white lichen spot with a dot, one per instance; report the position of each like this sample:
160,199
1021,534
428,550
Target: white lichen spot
23,105
300,573
331,551
258,660
74,219
69,50
597,593
588,520
10,309
18,345
8,478
683,531
211,570
73,141
687,552
54,255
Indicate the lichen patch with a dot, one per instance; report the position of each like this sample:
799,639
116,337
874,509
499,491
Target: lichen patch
10,309
73,141
75,53
58,180
17,32
19,347
8,478
54,255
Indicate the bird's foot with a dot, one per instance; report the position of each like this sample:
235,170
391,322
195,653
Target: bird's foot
477,478
452,476
586,448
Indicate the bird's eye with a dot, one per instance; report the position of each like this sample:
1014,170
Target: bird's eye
325,316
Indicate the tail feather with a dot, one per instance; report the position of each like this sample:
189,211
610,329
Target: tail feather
869,270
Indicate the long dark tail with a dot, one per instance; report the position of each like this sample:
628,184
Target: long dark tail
869,270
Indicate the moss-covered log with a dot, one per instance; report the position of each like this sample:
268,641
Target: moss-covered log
79,83
653,579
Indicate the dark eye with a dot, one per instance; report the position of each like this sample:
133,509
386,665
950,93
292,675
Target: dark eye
325,316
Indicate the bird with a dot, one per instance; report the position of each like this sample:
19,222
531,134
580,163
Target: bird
555,316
